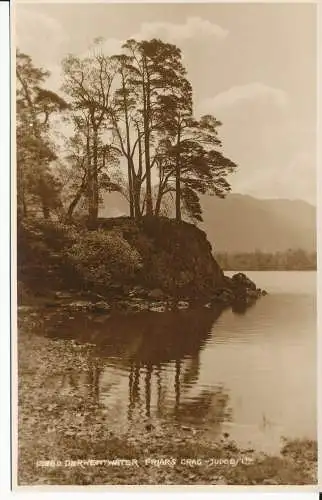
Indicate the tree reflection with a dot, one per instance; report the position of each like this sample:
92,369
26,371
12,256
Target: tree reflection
161,354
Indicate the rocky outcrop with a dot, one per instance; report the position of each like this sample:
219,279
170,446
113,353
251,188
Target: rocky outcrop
177,257
177,269
239,291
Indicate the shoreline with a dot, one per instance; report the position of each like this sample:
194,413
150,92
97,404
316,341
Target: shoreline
60,427
238,292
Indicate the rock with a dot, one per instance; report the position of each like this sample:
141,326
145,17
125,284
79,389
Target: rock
264,292
138,306
223,296
101,306
156,293
242,281
157,307
81,305
129,306
137,291
133,305
161,243
244,290
182,304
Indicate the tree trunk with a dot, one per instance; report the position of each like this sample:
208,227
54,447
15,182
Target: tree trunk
149,206
136,195
146,123
178,196
21,197
95,177
130,170
158,205
131,184
73,204
178,186
159,199
138,182
93,185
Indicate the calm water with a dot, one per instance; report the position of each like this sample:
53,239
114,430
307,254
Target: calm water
252,375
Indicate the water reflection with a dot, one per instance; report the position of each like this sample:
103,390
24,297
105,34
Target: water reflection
219,372
149,364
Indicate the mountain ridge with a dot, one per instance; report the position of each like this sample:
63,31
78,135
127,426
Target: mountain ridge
243,223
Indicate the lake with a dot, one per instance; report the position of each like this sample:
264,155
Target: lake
248,376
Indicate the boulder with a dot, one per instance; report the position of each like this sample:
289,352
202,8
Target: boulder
240,280
252,294
182,304
158,306
240,292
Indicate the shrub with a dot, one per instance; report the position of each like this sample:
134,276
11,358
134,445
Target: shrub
101,257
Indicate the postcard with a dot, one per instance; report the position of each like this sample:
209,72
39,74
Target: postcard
165,258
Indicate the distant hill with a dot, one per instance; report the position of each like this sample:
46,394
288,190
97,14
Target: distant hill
241,223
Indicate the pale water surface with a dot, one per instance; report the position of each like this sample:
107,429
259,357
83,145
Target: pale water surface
250,375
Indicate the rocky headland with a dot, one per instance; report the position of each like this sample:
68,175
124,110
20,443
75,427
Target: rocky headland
173,268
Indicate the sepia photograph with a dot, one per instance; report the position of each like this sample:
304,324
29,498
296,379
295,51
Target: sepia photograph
164,204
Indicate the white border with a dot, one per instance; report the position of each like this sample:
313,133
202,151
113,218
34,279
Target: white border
319,237
4,249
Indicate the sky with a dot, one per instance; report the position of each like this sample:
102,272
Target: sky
251,65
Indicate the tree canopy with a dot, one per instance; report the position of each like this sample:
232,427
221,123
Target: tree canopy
132,129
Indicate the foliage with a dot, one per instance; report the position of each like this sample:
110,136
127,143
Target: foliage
102,257
291,260
88,84
37,188
132,110
54,256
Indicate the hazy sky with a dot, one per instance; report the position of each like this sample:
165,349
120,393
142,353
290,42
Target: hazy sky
251,65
